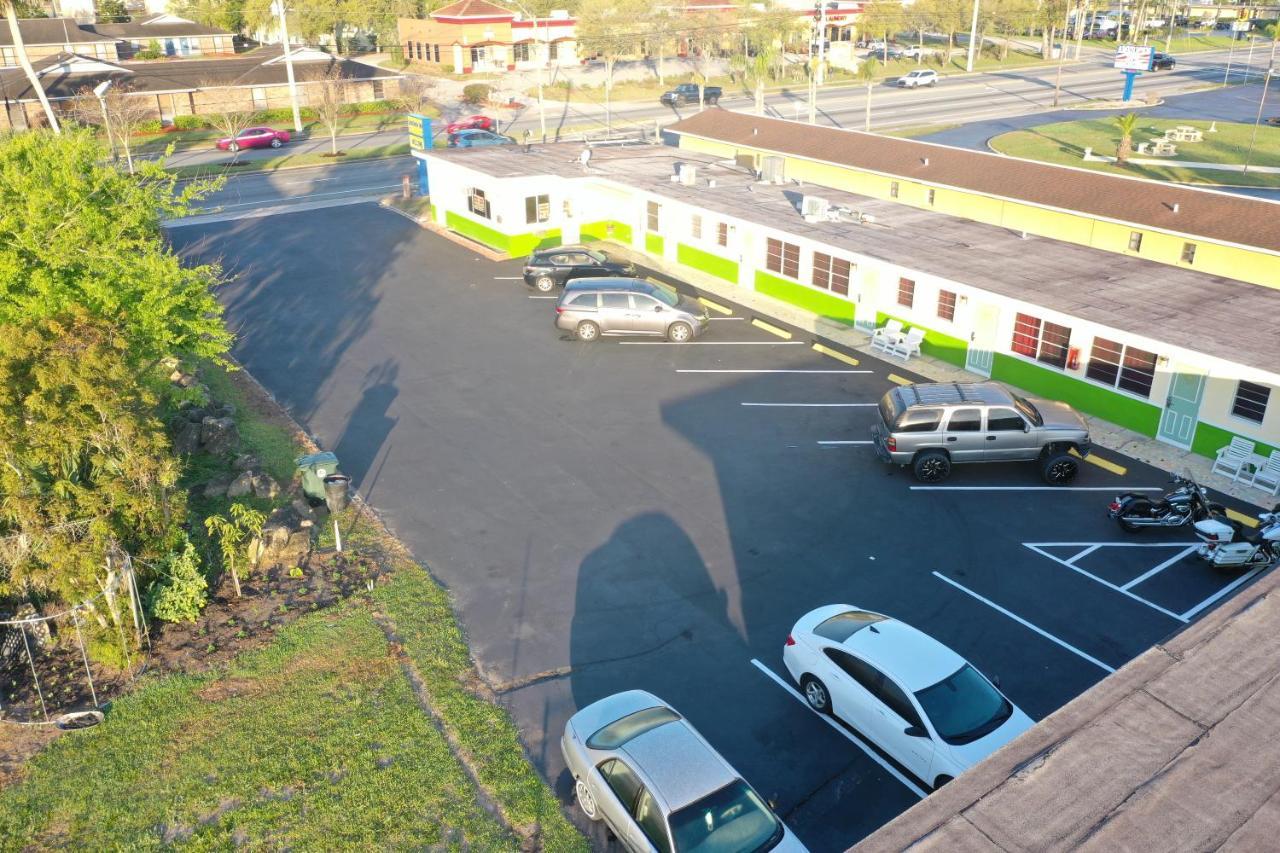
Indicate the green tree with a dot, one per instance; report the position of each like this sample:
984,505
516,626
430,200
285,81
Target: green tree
756,68
224,14
611,30
867,74
882,19
181,591
1126,124
79,234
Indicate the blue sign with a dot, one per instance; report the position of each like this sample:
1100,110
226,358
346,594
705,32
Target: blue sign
419,131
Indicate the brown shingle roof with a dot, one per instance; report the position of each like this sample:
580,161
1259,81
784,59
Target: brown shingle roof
45,31
472,9
1201,213
142,29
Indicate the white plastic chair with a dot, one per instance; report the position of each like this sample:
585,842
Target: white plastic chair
908,346
1230,460
1267,477
889,333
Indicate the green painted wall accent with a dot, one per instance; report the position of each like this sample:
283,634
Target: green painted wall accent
707,262
1209,439
653,244
936,344
822,304
1087,397
600,231
476,231
519,245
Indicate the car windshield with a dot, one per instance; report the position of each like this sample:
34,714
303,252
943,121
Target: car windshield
664,293
620,731
964,706
732,820
1029,411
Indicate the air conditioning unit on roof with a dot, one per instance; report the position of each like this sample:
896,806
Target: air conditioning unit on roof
813,209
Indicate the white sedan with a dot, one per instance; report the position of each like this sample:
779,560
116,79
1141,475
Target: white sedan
916,699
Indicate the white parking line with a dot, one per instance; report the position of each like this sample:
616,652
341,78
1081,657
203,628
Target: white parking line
508,278
714,343
1032,488
1158,569
811,405
862,441
544,297
1122,590
872,754
703,370
1231,587
1090,658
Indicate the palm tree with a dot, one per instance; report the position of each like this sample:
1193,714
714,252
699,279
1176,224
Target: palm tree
1126,125
756,70
867,73
20,48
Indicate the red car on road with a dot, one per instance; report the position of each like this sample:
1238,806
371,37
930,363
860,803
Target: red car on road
469,123
254,137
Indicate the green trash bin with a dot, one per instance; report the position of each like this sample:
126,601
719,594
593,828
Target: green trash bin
315,467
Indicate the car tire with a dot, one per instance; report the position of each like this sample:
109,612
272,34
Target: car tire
276,143
544,283
940,781
587,331
679,333
233,147
933,83
1059,469
586,802
931,466
816,694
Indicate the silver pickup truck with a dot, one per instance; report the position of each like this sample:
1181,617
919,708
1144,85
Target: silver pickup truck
936,425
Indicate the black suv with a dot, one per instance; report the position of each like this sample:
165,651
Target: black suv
1162,62
546,268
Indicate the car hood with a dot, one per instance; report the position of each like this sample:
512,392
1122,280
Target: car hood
690,307
969,754
1059,415
789,843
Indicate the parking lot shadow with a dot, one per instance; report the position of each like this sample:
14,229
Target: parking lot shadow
369,425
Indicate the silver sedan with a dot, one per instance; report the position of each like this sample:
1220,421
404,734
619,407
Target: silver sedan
640,767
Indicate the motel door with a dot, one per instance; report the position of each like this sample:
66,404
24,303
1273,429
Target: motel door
982,340
864,314
1181,409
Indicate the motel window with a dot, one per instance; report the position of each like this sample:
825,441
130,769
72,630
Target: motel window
553,50
379,90
477,56
906,292
932,196
831,273
1251,401
654,210
1128,368
1041,340
521,52
947,305
695,226
537,208
1135,241
722,233
419,50
408,50
783,258
436,48
893,189
1188,253
477,203
259,98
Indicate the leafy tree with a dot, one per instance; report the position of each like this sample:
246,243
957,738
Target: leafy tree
329,100
310,19
182,591
151,51
224,14
756,69
112,10
882,19
610,29
1126,124
233,534
120,112
868,71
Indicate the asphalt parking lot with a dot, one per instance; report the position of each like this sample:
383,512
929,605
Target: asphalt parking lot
634,514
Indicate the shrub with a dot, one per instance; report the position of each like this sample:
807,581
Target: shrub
151,51
282,114
190,122
476,93
367,107
183,593
151,125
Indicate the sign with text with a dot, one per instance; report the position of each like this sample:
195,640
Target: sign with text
1134,57
419,131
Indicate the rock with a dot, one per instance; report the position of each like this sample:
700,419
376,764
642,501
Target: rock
246,462
303,510
241,485
186,440
265,487
196,414
223,410
284,540
219,436
217,488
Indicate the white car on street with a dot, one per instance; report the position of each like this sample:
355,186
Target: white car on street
916,699
919,77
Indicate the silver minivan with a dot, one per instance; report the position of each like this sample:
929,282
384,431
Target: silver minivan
591,307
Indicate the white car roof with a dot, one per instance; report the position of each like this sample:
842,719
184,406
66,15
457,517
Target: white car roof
913,658
680,767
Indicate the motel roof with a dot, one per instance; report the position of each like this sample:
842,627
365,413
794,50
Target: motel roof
1194,212
1161,302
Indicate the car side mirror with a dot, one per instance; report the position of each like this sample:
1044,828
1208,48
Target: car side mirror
1026,427
915,731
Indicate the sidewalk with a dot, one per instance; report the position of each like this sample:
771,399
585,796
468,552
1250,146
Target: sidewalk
1104,434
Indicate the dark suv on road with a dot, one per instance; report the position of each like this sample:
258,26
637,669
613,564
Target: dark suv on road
546,268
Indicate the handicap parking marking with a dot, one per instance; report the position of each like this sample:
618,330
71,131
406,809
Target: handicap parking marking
1160,567
1023,622
1104,464
852,738
1089,548
1226,590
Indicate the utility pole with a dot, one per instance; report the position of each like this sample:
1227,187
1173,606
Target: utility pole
813,88
973,37
278,7
1266,83
544,60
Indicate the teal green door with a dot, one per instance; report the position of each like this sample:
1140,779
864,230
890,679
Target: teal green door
1181,409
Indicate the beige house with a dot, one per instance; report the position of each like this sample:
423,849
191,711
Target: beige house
172,35
479,36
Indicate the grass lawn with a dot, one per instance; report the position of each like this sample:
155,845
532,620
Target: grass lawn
285,161
1065,143
917,130
1183,41
186,139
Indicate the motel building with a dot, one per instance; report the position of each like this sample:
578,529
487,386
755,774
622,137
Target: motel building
1153,306
478,36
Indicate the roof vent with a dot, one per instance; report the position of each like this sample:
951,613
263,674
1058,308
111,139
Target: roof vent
755,131
925,161
1175,207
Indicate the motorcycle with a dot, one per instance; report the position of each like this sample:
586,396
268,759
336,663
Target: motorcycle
1227,545
1185,503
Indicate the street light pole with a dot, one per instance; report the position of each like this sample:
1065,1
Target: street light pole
973,37
278,8
542,65
101,92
